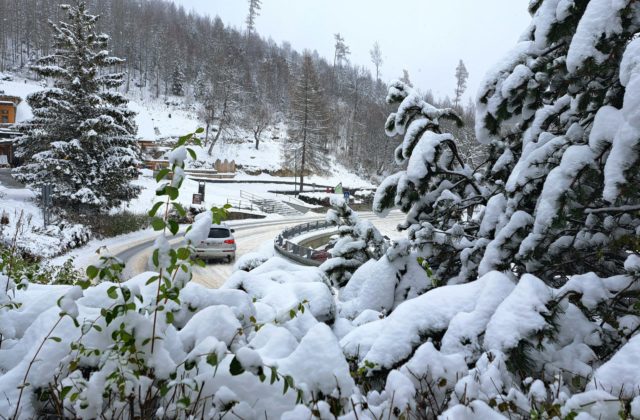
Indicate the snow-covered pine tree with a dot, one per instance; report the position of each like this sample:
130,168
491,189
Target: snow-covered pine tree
308,130
81,137
177,80
359,242
437,189
554,310
560,114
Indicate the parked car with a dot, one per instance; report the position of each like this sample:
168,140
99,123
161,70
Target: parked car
322,254
219,244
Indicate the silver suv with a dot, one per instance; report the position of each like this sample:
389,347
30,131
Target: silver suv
219,244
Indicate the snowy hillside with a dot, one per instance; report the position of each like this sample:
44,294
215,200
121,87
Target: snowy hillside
157,120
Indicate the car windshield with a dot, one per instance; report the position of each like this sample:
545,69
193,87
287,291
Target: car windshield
219,233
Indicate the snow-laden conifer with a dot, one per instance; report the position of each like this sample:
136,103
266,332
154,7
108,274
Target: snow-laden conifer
438,191
81,137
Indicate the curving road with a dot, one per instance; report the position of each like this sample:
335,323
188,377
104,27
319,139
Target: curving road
250,236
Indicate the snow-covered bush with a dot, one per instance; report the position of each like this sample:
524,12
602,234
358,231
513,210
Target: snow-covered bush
158,345
358,242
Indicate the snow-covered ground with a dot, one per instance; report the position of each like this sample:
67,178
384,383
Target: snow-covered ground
158,120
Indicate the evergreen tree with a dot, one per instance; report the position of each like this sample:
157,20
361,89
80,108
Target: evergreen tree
254,12
359,242
564,142
177,81
552,240
341,51
308,123
81,138
436,189
461,83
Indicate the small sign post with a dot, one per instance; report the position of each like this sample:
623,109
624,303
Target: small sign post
197,199
201,186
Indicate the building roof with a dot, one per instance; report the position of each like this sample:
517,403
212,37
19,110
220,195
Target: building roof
9,99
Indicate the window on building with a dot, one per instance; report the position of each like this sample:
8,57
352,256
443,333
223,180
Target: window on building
3,111
5,119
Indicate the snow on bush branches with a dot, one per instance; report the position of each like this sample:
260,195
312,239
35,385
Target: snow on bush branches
514,295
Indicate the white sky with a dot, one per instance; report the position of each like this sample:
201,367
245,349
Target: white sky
427,37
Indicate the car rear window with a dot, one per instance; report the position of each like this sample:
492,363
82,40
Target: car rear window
218,233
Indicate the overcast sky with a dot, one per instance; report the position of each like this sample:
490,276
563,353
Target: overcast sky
427,37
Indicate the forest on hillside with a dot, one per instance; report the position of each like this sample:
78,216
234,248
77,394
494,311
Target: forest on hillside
234,78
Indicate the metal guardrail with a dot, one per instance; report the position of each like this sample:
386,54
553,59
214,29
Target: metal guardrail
301,254
259,202
242,205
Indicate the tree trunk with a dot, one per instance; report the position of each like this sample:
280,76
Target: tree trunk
215,139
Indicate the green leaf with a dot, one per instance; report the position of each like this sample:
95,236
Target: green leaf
157,223
184,253
156,258
112,292
235,368
173,227
199,130
181,211
92,271
212,359
292,313
65,391
155,208
274,375
162,190
56,339
183,139
162,173
192,153
299,398
169,317
173,192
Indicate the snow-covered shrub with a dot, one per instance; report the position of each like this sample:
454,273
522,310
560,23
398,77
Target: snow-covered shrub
158,345
34,271
358,242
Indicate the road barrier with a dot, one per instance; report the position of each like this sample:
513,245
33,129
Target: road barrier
296,252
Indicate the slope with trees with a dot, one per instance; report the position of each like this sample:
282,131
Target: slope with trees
154,36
